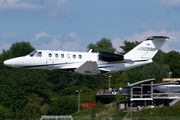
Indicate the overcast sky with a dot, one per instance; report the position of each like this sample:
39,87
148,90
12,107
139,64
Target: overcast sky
73,24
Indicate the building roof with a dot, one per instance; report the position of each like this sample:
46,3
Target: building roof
166,83
171,79
140,82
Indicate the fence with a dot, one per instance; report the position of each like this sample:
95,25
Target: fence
111,92
133,118
104,118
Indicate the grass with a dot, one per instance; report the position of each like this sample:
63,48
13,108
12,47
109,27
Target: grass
100,111
104,112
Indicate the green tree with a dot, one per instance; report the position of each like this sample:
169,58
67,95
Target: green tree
72,90
35,107
118,80
173,60
17,84
128,46
63,105
69,80
135,74
158,69
19,49
6,112
102,45
120,97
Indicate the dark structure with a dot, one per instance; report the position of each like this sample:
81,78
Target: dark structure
107,96
147,94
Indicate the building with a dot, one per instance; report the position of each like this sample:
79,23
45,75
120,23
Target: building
107,96
146,94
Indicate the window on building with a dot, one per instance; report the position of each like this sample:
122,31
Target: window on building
174,89
160,89
146,89
136,90
146,92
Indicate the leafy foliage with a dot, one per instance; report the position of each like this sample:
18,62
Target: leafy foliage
72,90
35,107
120,97
100,111
128,46
160,112
30,93
102,45
19,49
173,60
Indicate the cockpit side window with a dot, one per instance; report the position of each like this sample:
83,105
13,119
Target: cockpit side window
39,54
33,53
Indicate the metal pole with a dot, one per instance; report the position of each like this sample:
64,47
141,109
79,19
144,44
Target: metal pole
170,74
131,110
79,101
109,81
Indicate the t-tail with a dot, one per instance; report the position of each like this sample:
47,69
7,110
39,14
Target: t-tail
147,49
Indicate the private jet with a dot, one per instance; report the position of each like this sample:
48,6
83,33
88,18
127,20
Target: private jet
89,63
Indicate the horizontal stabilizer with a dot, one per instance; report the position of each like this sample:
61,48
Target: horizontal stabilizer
88,67
134,60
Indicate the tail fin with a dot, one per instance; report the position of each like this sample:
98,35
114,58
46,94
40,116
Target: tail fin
147,49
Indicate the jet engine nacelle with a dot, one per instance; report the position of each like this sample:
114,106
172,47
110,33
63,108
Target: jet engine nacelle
110,57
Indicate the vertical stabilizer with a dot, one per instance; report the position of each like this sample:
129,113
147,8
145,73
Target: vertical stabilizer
147,49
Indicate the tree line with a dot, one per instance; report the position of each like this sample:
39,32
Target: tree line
30,93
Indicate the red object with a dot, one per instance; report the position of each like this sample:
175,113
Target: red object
90,104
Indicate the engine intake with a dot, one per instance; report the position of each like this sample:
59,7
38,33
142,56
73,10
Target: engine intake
110,57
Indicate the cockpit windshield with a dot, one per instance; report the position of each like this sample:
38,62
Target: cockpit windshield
33,53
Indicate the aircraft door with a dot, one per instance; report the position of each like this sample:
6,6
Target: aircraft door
50,59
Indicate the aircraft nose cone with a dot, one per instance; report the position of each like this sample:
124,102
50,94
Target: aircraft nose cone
8,63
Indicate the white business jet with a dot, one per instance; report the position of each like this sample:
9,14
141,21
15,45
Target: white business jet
89,63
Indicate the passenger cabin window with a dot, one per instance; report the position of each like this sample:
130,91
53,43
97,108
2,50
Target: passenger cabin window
50,55
62,55
56,55
32,53
39,54
80,56
74,56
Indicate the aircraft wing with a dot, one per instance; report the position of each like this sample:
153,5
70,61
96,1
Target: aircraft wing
88,68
